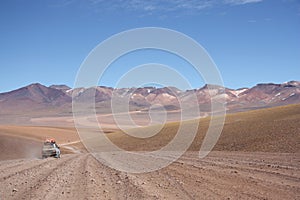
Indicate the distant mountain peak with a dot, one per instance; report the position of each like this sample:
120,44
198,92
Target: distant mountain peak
292,83
34,85
211,86
38,96
60,87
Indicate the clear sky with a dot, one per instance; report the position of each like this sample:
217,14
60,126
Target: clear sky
251,41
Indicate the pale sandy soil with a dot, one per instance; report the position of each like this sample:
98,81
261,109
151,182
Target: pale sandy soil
238,170
78,175
221,175
26,141
137,118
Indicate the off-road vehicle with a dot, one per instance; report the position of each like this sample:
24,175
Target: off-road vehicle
50,149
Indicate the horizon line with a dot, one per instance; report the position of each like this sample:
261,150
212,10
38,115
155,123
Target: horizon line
205,85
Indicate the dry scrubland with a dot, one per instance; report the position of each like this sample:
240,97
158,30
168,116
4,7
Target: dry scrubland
256,157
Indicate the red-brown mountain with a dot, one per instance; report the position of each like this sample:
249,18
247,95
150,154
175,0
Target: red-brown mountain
32,97
59,97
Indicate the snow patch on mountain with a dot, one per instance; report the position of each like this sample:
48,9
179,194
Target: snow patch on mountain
278,94
292,94
238,92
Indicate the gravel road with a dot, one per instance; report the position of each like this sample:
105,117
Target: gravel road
221,175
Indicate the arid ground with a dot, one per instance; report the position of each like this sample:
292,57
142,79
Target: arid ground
256,157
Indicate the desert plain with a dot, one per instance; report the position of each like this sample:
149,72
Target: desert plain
256,157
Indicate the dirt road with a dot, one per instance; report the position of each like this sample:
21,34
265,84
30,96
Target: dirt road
221,175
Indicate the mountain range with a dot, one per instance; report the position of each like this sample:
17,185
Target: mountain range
57,99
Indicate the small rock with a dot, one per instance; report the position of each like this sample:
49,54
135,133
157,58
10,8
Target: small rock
118,182
14,190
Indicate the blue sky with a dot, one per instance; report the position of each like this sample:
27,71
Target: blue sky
251,41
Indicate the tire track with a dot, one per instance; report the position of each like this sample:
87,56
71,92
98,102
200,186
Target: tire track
178,184
7,165
64,181
289,175
210,184
24,180
20,169
250,185
81,176
116,184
